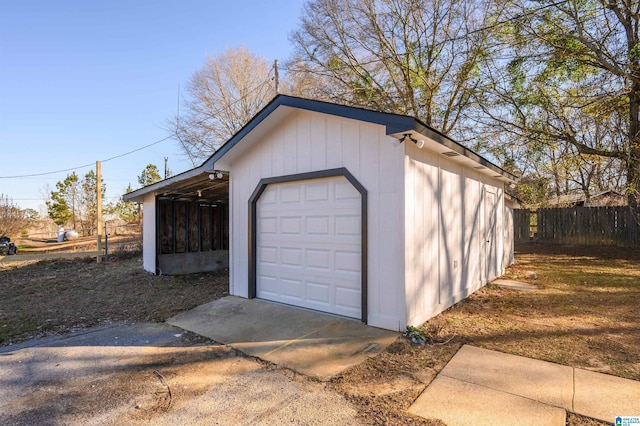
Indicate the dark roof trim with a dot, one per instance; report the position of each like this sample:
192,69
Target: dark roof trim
444,140
163,183
394,123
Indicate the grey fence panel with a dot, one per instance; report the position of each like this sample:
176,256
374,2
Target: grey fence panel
521,224
602,226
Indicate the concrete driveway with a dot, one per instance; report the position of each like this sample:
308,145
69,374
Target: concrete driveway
152,373
312,343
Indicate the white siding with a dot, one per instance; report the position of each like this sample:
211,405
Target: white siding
149,233
445,250
309,141
422,255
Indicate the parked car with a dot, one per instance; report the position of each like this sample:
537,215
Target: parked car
7,247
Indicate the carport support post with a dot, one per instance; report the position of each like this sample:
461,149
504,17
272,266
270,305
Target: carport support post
99,207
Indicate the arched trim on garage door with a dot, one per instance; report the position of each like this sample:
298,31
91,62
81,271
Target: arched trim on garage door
253,202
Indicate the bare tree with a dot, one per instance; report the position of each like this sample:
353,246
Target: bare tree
220,98
571,79
13,220
414,57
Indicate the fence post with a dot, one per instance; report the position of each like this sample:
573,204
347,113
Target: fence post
99,209
106,244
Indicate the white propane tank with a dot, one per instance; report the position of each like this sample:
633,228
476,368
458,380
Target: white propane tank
71,235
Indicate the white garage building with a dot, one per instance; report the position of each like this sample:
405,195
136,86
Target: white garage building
367,215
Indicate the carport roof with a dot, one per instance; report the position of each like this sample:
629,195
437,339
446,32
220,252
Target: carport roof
281,106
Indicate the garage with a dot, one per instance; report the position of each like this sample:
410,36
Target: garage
308,245
367,215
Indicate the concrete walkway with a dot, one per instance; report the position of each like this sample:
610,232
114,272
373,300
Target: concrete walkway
514,285
483,387
312,343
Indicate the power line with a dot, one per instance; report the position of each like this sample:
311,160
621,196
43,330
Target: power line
114,197
138,149
211,116
49,173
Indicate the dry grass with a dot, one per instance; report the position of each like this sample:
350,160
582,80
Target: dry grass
63,295
584,314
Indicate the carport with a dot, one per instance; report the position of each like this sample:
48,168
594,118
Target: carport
190,217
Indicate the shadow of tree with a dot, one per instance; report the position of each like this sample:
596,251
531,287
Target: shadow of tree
583,314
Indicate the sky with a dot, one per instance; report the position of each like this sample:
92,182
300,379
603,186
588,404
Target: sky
82,81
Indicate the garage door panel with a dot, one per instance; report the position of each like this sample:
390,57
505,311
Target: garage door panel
319,293
336,278
347,242
318,225
268,254
319,261
269,197
347,262
318,191
347,225
291,256
268,225
313,252
291,225
345,191
269,285
289,194
347,298
292,289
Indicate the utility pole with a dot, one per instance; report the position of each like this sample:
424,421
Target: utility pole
99,208
276,78
166,170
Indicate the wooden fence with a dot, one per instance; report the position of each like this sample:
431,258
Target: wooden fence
602,226
522,225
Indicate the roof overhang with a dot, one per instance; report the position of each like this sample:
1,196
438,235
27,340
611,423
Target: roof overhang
456,152
194,185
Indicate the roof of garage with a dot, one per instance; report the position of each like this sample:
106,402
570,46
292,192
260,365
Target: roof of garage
281,106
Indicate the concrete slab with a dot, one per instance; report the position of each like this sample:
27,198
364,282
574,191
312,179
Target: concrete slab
118,334
514,285
537,380
70,383
456,402
312,343
605,397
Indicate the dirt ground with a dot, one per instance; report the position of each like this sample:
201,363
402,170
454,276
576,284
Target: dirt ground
583,314
60,296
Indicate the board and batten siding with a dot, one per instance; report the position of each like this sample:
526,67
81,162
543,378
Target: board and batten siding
310,141
446,255
149,233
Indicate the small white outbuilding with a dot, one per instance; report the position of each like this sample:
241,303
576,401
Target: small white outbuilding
358,213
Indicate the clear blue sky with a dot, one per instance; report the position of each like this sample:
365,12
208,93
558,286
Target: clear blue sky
82,81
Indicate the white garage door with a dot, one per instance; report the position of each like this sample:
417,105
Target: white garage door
308,250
